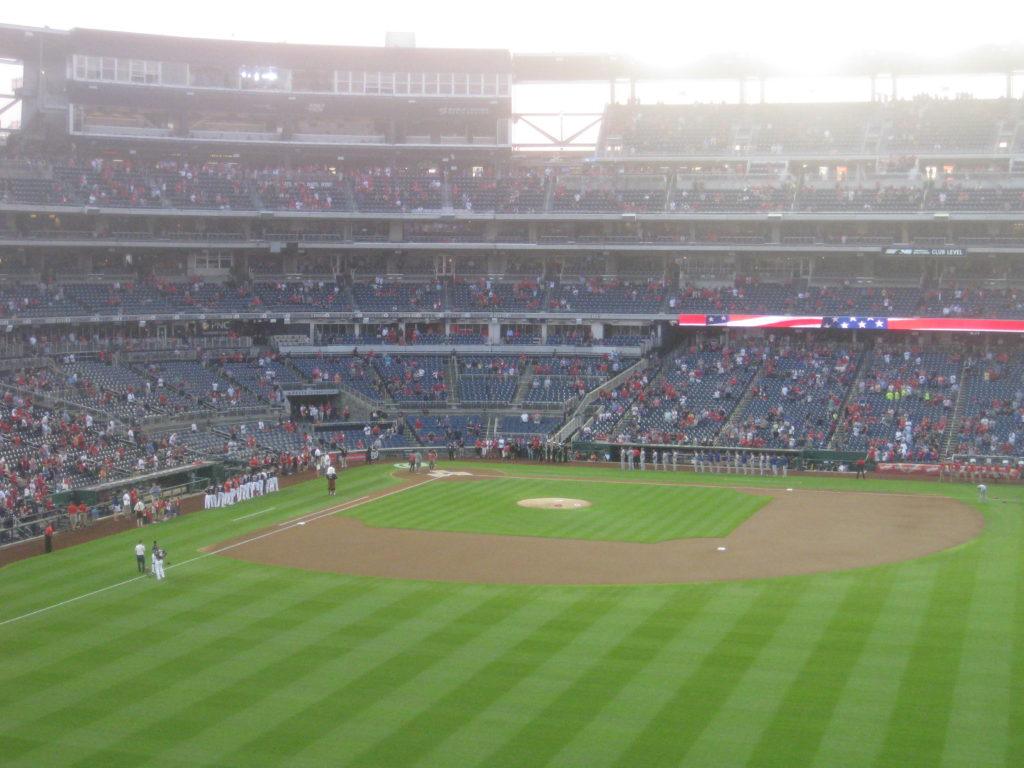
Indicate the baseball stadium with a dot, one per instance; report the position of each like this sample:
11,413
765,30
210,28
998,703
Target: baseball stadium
355,415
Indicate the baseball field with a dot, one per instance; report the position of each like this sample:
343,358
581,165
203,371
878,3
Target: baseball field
533,616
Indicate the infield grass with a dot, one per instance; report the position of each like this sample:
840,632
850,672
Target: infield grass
230,663
619,511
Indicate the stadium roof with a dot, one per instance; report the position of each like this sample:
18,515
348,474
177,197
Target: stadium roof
16,41
22,42
556,67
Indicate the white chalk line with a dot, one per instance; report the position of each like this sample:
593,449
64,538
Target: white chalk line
338,508
320,514
71,600
253,514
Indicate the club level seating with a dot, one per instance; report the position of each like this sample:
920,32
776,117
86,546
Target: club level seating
485,295
595,296
440,430
382,194
355,438
263,380
119,298
37,301
109,187
418,378
346,370
198,381
397,297
747,199
560,389
893,127
514,426
309,295
202,442
121,390
304,195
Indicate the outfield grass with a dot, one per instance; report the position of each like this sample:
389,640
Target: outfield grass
229,663
656,512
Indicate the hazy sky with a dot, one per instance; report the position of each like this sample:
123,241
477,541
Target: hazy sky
810,35
798,35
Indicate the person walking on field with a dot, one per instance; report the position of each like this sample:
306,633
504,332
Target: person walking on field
332,480
140,556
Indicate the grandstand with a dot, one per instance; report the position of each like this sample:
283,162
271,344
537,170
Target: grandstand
345,247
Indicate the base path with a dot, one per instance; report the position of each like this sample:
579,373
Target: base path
798,532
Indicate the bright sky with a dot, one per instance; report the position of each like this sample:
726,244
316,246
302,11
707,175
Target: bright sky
812,37
800,33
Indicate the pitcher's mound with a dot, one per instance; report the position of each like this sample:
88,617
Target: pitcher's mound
553,503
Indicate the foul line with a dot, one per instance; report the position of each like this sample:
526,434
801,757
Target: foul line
253,514
320,514
332,510
71,600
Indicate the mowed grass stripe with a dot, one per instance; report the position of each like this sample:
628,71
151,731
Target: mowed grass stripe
459,686
361,678
709,614
536,675
591,681
698,696
756,697
250,695
793,735
866,705
91,699
666,523
280,681
982,684
1015,685
116,631
209,702
925,700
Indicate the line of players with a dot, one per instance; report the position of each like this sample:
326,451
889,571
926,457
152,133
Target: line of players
972,471
713,462
240,488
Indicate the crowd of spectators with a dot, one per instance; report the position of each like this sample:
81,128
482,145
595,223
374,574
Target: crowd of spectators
895,127
202,183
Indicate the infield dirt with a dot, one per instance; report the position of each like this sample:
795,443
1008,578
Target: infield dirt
797,532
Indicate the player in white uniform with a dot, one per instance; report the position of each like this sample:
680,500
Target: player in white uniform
159,556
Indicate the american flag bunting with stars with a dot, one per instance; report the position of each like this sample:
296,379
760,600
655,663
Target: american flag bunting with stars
856,323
